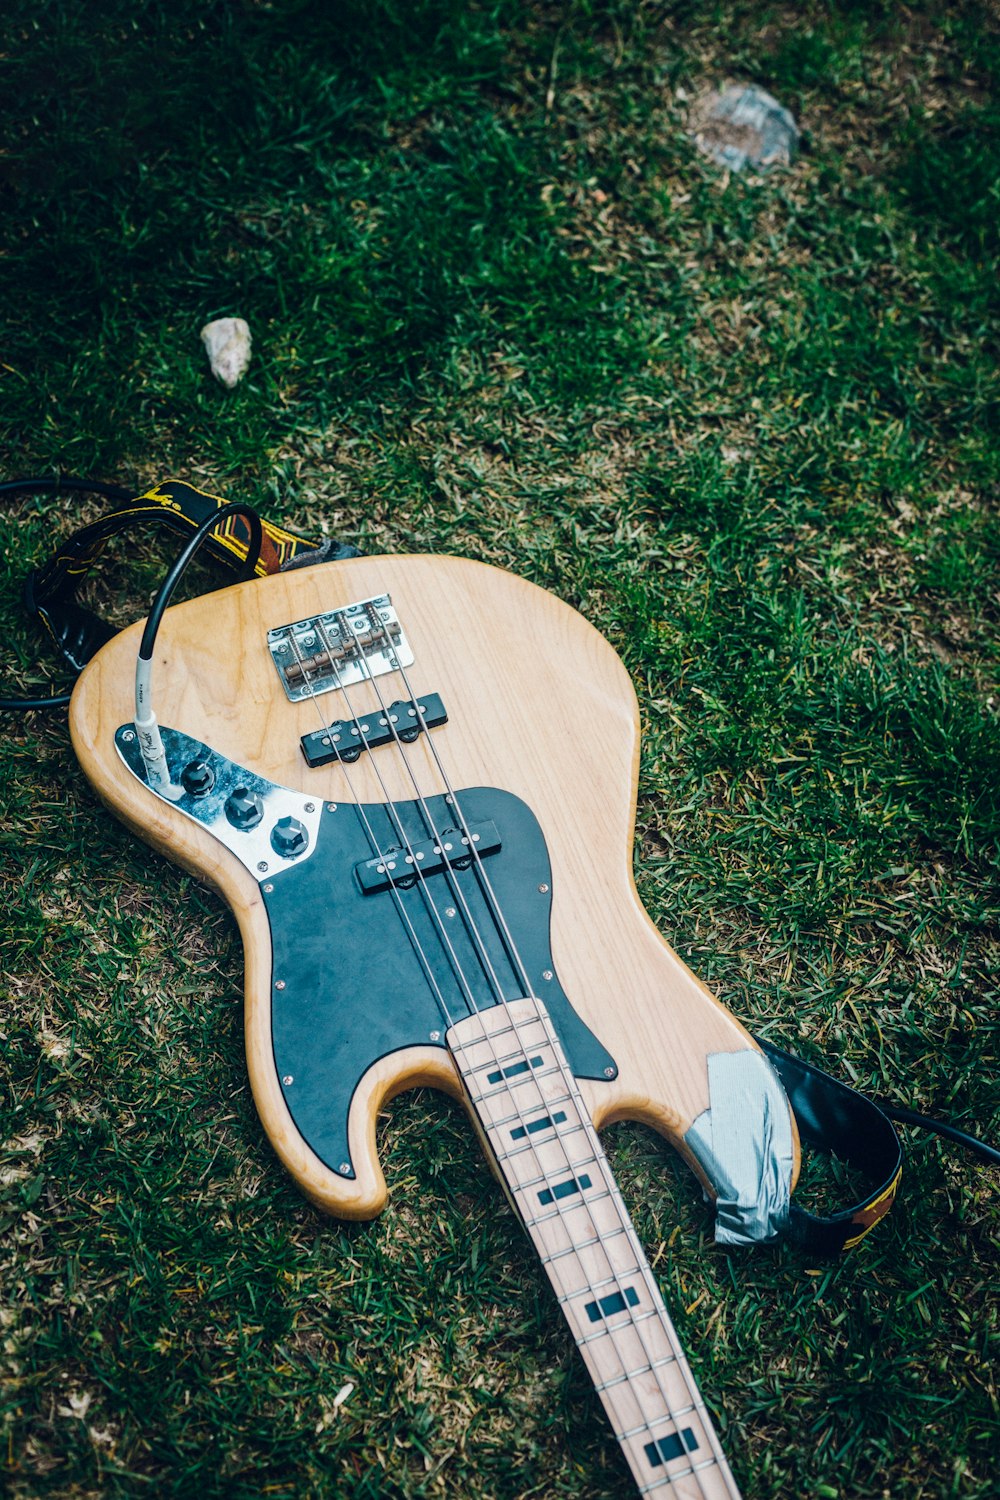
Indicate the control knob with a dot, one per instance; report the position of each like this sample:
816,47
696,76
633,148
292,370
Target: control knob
198,778
289,838
244,808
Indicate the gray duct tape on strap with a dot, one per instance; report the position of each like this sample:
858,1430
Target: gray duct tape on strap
743,1144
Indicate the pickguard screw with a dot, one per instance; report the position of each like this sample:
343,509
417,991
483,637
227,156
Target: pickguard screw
279,984
546,973
288,1080
262,865
345,1167
331,807
609,1072
449,911
128,736
268,888
435,1036
310,807
543,889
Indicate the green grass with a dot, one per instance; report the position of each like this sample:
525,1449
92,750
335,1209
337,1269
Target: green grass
501,308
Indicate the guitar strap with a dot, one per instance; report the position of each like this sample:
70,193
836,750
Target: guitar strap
830,1115
50,591
835,1118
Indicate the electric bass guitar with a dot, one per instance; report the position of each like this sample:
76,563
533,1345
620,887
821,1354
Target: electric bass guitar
413,780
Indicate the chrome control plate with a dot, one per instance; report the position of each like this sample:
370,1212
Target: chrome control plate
251,845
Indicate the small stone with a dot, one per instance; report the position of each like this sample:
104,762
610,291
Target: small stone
744,126
227,341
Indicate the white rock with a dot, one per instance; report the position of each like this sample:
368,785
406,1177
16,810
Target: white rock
744,126
227,341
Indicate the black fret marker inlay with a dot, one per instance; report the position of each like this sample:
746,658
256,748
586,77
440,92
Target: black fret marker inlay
520,1131
615,1302
512,1071
669,1448
564,1189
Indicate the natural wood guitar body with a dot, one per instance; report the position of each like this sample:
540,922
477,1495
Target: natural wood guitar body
539,705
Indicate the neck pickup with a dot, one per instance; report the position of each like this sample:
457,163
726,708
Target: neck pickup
346,738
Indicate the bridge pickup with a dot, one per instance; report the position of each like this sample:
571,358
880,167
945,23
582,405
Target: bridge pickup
398,867
345,739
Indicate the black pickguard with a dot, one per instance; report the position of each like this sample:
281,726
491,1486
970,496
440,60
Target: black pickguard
349,985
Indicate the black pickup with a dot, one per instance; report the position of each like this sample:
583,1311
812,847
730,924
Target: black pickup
346,738
404,867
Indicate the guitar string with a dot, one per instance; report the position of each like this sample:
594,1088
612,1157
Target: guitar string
569,1082
395,886
468,837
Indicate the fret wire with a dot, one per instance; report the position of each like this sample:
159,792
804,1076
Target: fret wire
574,1249
603,1333
530,1145
658,1364
533,1182
516,1080
565,1298
695,1469
503,1032
516,1083
597,1239
505,1120
634,1432
558,1213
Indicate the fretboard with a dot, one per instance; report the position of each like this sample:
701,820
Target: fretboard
545,1146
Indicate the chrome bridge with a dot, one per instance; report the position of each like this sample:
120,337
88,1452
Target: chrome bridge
339,648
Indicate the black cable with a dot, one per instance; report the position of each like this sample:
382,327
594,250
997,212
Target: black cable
173,578
36,485
950,1132
66,482
56,482
59,700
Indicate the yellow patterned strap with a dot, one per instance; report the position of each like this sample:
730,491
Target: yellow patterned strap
836,1118
868,1214
187,507
77,632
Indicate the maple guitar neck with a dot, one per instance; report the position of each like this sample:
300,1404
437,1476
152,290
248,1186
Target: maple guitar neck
548,1155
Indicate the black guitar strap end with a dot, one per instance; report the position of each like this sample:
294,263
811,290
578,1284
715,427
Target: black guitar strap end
836,1118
